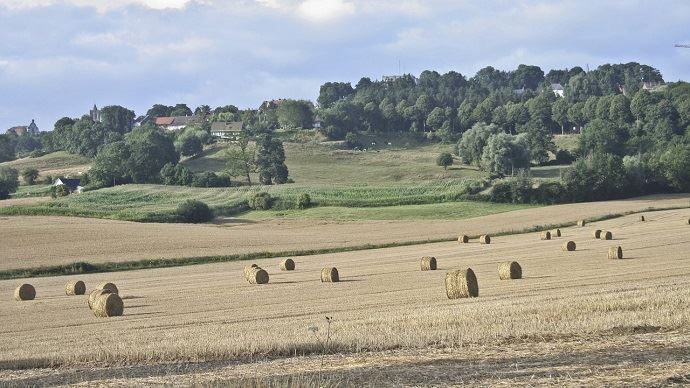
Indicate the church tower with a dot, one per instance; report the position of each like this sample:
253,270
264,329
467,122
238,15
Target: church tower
95,114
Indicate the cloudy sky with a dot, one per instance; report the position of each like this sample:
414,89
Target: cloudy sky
59,57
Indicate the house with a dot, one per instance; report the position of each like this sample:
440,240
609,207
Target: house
141,120
317,122
175,122
557,89
25,129
71,184
229,130
272,104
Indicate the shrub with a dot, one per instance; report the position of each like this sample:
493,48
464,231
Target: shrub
59,191
564,157
211,179
549,193
30,175
260,201
351,141
444,160
303,201
501,192
8,181
194,211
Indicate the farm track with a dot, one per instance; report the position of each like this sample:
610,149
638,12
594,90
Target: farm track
33,241
572,312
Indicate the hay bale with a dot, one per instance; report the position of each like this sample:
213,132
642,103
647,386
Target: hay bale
596,234
464,239
248,270
546,235
688,221
108,305
581,223
509,270
95,294
330,275
485,239
641,218
428,263
606,235
108,286
556,233
75,288
258,276
25,292
461,284
287,265
569,246
615,253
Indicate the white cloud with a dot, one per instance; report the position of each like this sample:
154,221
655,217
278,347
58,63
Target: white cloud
325,10
100,5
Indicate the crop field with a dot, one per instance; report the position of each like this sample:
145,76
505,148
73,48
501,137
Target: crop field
65,240
574,318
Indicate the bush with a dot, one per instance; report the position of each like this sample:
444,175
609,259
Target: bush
260,201
444,160
351,141
211,179
304,201
30,175
59,191
193,211
501,192
549,193
8,181
564,157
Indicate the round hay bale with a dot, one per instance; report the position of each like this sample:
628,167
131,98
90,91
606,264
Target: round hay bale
615,253
485,239
509,270
464,239
546,235
248,270
556,233
95,294
569,246
258,276
428,263
108,305
642,218
606,235
287,265
330,275
75,288
581,223
25,292
596,234
108,286
461,284
688,221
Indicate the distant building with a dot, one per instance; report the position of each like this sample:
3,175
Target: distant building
95,114
317,122
24,129
272,104
557,89
651,86
519,92
393,78
73,185
175,122
141,120
227,130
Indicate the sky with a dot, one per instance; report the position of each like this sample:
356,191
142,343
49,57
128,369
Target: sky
60,57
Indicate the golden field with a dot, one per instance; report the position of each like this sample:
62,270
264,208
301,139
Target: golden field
575,317
31,241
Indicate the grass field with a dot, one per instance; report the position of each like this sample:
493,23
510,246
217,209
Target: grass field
32,191
574,317
55,164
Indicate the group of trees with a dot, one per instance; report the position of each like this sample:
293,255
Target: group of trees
267,159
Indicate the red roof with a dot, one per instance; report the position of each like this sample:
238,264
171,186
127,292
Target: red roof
164,120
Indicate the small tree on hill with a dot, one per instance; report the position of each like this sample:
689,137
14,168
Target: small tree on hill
444,160
30,175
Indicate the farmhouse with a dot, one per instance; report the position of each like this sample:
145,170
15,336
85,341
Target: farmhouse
175,122
72,184
557,89
227,130
25,129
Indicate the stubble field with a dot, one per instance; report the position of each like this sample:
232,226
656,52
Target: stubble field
574,317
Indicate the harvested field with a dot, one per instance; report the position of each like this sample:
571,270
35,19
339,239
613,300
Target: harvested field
62,240
207,313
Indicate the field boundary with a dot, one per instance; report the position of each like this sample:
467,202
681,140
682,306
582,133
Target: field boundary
88,268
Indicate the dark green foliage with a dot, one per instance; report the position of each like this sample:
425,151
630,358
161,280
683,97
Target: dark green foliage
295,114
59,191
330,92
117,118
351,141
189,145
193,211
6,148
599,176
260,201
564,157
675,163
211,179
9,181
30,175
270,160
444,160
303,201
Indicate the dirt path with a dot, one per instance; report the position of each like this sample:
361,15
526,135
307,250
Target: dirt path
35,241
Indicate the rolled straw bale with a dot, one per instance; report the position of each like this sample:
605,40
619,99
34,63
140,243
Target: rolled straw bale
546,235
330,275
556,233
248,270
258,276
581,223
688,221
615,253
569,246
108,305
108,286
464,239
25,292
485,239
596,234
509,270
428,263
95,294
641,218
75,288
606,235
287,265
461,284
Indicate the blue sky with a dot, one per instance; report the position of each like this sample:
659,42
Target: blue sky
59,57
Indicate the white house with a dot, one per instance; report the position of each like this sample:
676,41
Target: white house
557,89
73,185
